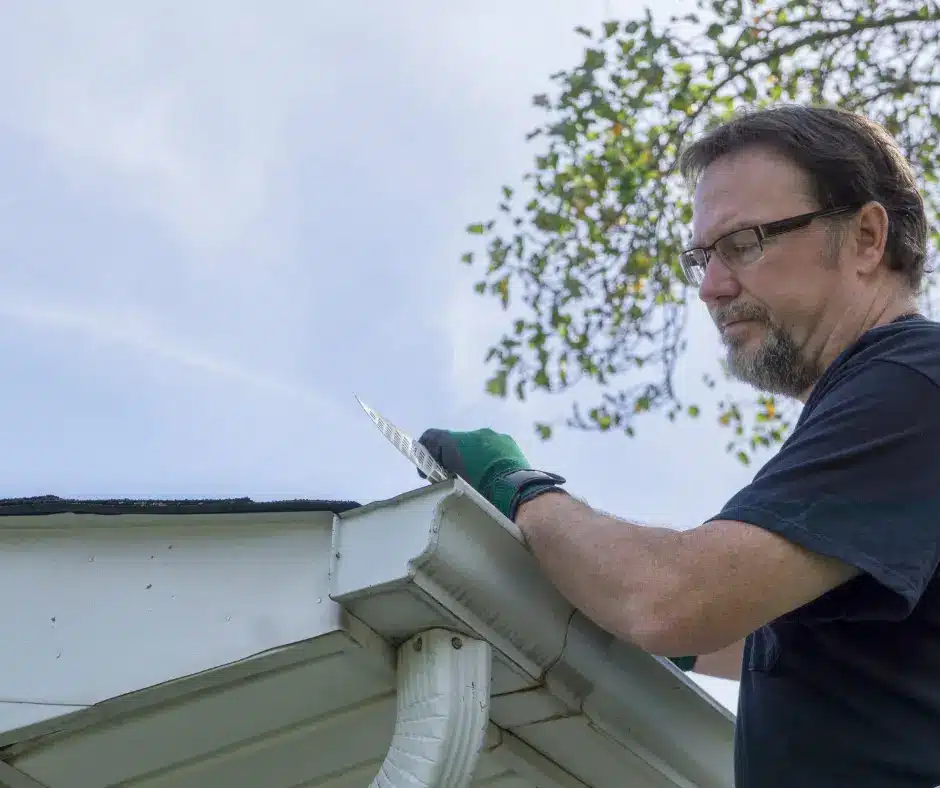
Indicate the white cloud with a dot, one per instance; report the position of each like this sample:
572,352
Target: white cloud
186,113
129,329
192,113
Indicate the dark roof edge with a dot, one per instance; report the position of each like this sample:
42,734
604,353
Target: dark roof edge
52,504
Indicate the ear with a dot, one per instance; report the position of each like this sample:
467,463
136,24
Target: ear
870,237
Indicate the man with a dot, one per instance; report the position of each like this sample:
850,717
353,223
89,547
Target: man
816,584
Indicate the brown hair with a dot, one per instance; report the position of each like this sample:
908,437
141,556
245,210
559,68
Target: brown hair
848,158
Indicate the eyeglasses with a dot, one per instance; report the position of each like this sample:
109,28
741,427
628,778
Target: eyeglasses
745,247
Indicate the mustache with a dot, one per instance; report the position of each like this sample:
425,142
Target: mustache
734,312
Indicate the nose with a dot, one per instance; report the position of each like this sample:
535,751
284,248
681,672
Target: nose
719,283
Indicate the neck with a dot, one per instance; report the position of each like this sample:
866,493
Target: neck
854,323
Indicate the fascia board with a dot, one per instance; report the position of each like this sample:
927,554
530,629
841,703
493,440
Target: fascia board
170,596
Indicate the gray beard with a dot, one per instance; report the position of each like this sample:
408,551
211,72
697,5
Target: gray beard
776,367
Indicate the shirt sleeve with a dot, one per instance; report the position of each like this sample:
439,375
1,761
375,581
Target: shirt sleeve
859,480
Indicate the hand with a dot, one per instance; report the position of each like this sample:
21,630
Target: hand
490,463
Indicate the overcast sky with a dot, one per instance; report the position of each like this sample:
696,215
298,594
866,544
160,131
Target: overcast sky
221,220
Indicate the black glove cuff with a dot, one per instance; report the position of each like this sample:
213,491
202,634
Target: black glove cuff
529,484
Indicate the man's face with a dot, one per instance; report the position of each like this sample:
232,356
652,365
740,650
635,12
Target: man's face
772,313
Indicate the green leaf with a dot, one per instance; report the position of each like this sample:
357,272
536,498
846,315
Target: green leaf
501,288
497,385
594,59
544,431
476,229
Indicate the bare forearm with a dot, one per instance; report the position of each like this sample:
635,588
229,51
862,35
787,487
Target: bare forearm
617,573
723,664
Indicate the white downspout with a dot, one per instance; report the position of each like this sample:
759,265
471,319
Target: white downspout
443,710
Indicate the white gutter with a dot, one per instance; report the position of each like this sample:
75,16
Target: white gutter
443,711
442,557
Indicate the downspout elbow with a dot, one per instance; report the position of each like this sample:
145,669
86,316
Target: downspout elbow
443,711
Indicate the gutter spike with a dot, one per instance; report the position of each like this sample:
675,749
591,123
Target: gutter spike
443,711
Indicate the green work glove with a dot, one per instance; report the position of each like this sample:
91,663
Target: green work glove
684,664
491,463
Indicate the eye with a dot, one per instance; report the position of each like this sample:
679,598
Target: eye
739,246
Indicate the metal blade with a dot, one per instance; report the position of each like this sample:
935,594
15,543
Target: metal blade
401,440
